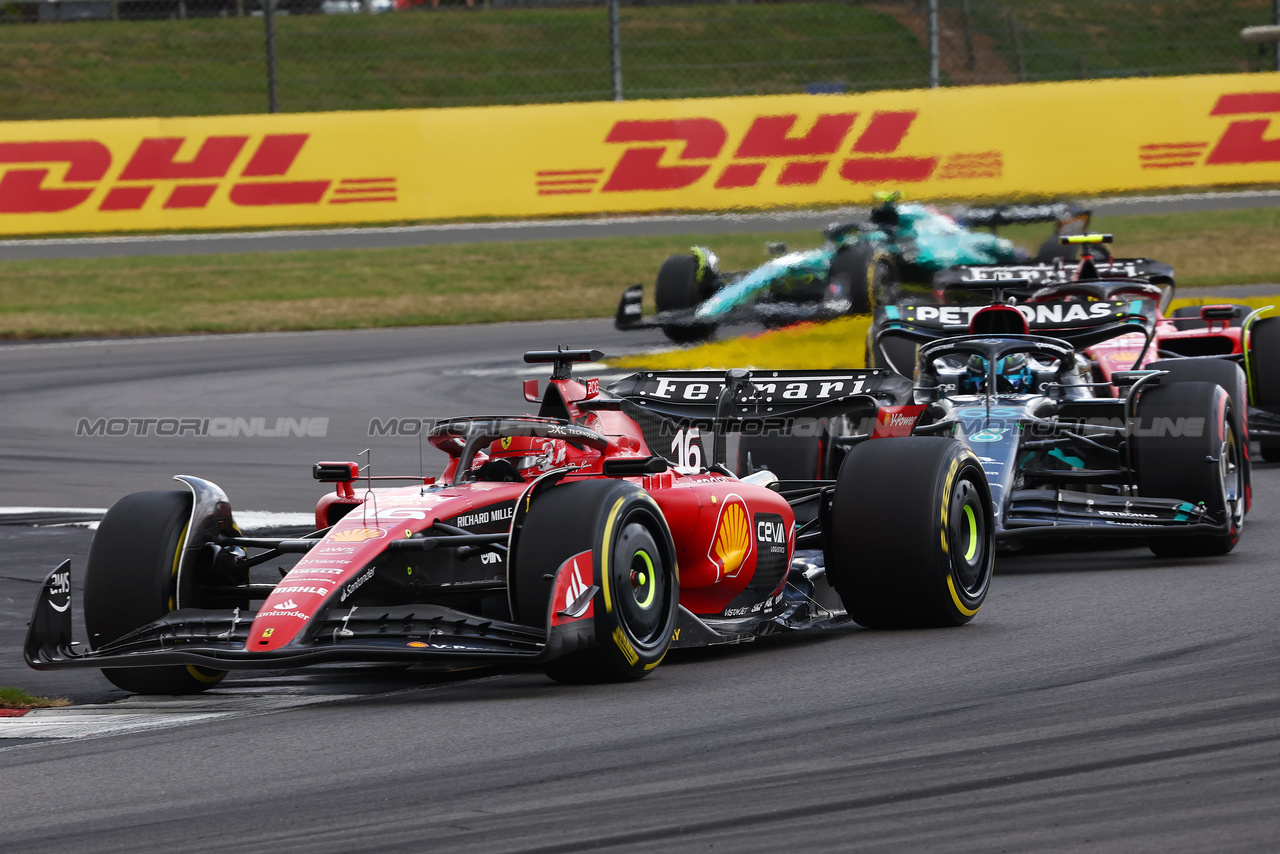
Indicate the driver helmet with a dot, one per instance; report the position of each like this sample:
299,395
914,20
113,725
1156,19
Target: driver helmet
526,454
1013,375
974,380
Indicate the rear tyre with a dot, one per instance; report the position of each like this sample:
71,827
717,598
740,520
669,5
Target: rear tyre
131,580
1208,468
863,276
632,560
1264,375
910,538
679,287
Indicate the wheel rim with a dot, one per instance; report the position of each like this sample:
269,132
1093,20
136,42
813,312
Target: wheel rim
967,538
1232,475
641,581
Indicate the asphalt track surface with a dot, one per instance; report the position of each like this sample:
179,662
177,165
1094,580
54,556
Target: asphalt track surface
1100,701
620,226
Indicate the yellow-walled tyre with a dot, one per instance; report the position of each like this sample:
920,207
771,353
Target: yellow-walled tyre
631,560
131,580
910,533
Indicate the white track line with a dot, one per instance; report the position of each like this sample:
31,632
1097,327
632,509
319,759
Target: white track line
248,520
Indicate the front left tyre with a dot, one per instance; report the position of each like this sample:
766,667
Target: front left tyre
131,579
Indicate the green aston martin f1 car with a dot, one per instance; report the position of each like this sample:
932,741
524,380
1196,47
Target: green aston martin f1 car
859,266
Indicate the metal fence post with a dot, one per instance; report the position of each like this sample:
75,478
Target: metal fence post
615,48
269,17
1015,32
934,59
968,36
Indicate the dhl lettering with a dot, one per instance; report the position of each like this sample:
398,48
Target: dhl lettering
1243,141
156,160
196,170
884,135
641,169
802,154
22,191
769,137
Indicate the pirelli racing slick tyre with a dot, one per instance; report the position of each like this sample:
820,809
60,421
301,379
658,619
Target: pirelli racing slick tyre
680,287
1230,376
131,579
910,538
862,275
1264,375
1186,447
620,542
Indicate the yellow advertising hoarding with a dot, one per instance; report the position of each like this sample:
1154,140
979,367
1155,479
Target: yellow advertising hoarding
1041,140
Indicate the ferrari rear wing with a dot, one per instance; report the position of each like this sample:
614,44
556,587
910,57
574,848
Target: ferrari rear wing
671,407
757,394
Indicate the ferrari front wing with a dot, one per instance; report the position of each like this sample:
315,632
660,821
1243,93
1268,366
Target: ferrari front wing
408,634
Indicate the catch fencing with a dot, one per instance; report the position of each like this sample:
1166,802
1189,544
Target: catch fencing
126,58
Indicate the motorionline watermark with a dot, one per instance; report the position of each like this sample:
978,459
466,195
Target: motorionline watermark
218,427
1163,427
780,426
803,426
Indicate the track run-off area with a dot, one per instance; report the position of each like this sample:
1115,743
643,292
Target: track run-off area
1101,700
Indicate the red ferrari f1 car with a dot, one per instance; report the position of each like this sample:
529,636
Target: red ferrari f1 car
588,539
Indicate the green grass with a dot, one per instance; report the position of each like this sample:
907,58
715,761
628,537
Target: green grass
450,57
1123,38
16,698
457,56
340,289
473,283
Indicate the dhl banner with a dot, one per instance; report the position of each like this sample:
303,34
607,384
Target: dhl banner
1032,140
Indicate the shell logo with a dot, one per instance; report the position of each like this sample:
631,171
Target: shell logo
731,543
357,535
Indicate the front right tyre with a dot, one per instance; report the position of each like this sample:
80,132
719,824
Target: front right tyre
1264,375
1189,449
910,537
682,284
